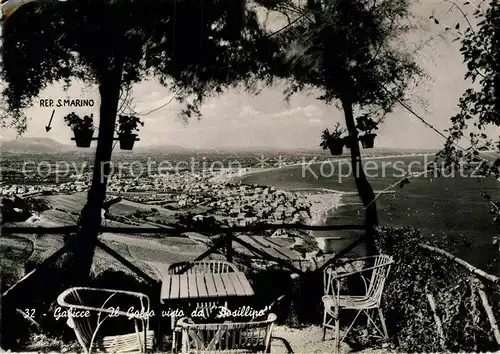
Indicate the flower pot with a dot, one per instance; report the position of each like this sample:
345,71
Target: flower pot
367,140
347,142
336,146
127,141
83,137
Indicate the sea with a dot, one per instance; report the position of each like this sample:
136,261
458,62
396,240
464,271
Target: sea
451,205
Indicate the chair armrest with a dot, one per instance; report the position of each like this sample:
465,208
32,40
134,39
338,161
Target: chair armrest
360,271
61,300
110,291
337,276
184,321
271,317
328,301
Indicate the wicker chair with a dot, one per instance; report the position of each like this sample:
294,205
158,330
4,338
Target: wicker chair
333,301
76,302
227,337
196,267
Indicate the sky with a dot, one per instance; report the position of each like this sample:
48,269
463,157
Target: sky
238,119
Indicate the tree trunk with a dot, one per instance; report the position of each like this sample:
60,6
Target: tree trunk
364,188
90,219
496,82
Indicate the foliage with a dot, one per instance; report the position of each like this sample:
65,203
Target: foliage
143,214
366,124
327,137
44,43
479,106
20,209
14,210
417,272
75,122
480,49
37,205
127,124
346,49
309,244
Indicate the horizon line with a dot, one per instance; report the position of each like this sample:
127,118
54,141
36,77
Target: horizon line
239,148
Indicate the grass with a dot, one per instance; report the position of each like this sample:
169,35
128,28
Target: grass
45,245
65,204
126,207
103,262
20,254
15,252
60,217
72,203
165,254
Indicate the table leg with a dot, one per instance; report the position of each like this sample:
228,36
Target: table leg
174,336
158,305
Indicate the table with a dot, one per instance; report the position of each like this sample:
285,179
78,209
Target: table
205,286
202,287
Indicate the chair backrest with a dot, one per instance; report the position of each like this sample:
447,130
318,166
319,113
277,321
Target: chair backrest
379,266
343,266
82,326
87,309
206,266
227,337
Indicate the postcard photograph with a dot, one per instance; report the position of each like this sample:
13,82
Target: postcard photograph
250,176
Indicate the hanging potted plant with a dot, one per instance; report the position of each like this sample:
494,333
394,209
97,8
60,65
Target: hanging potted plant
347,141
126,126
83,128
333,141
367,125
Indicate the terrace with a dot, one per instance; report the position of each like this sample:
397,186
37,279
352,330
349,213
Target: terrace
227,242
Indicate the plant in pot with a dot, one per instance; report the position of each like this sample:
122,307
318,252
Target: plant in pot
83,128
366,125
333,141
126,126
347,141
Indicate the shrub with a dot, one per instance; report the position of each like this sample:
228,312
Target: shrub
409,317
309,244
10,211
37,205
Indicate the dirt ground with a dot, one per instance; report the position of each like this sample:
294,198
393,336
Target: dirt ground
308,340
285,340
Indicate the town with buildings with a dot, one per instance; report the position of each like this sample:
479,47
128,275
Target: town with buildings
232,202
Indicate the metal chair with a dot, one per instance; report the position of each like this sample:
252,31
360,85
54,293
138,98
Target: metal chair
333,301
227,337
81,315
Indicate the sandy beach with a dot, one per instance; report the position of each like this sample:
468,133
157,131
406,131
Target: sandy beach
229,174
321,204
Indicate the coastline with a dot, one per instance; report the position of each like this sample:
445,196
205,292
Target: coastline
322,204
231,175
254,170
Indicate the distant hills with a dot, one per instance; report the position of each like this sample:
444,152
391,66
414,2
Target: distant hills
34,145
47,146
